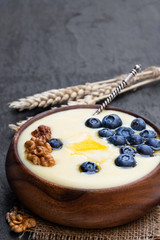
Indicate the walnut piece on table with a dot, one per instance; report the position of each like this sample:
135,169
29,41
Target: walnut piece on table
38,150
18,221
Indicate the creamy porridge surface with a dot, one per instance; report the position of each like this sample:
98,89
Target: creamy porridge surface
69,127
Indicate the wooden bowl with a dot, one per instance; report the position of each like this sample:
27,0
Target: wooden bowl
85,208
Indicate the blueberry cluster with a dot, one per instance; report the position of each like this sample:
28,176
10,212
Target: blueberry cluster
131,140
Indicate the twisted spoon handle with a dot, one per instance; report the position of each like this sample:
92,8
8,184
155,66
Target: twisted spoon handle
122,85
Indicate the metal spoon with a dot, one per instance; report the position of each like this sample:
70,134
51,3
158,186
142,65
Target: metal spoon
122,85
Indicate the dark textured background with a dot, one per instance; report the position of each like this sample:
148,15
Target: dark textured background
48,44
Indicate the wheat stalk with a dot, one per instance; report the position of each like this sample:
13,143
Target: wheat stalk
89,93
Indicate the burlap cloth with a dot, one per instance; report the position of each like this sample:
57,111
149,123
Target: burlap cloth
146,228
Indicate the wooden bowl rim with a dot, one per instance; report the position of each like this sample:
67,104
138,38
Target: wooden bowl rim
51,184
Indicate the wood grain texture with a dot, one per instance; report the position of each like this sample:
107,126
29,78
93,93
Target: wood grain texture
84,208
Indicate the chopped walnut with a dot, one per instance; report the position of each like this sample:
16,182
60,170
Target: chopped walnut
38,149
19,222
43,132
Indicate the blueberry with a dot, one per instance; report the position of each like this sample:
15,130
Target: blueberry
111,121
124,131
134,140
93,123
125,160
145,150
127,150
148,134
55,143
138,124
117,140
89,167
105,132
153,143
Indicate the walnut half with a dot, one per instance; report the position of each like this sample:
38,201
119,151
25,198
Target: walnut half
19,222
42,132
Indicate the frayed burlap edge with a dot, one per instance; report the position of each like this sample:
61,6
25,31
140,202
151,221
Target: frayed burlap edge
146,228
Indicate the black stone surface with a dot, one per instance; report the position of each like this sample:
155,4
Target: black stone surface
48,44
